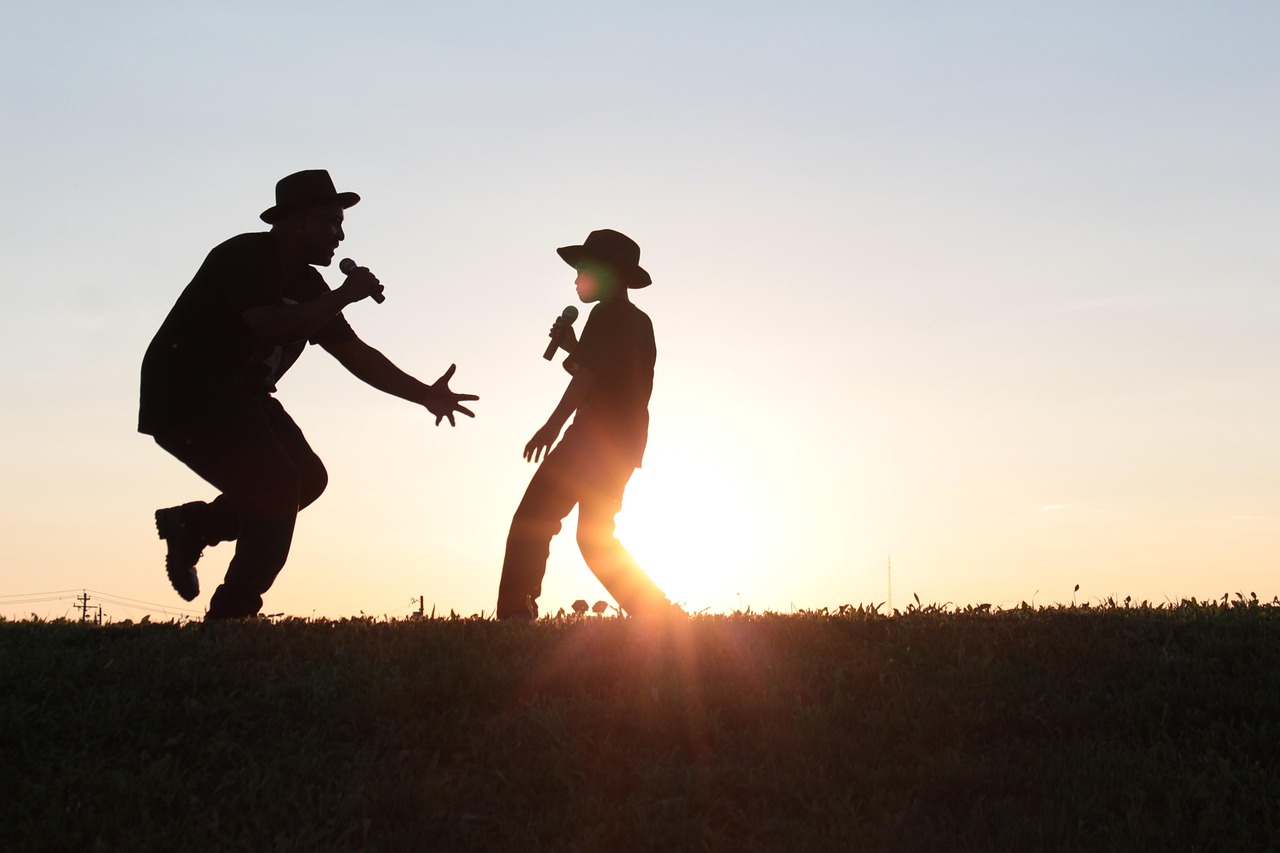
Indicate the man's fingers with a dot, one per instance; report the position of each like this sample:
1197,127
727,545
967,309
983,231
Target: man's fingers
464,411
448,374
367,281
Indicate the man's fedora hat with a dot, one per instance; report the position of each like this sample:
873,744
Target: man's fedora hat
303,189
613,248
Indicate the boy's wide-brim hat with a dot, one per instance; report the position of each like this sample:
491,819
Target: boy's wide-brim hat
305,189
613,248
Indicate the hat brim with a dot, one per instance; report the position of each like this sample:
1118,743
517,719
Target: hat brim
275,213
575,256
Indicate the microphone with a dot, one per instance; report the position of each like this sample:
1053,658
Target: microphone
570,313
347,265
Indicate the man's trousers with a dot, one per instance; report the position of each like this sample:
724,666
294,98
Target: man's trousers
259,460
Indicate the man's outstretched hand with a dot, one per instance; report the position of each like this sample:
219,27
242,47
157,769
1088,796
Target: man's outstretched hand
442,402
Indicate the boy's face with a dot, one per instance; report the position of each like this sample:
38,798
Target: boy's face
594,282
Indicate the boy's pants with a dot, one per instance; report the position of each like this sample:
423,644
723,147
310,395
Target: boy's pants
574,472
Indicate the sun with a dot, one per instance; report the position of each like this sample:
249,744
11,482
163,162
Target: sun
691,525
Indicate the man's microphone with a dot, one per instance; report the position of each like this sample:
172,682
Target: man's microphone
569,313
347,265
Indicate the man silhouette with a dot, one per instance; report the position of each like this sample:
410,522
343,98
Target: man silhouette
612,370
210,372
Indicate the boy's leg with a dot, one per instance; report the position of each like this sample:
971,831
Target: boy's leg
550,496
608,560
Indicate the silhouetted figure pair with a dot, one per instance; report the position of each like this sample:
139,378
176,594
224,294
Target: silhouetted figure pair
210,372
209,376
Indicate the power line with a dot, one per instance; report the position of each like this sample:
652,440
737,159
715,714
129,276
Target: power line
41,598
4,595
163,611
138,602
81,597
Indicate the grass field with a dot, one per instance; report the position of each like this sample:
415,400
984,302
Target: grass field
1064,728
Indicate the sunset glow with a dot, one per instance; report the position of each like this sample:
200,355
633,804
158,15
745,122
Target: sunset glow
696,529
989,289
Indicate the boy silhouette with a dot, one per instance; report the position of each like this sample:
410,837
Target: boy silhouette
612,378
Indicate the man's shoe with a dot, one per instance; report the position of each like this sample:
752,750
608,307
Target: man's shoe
176,526
518,616
526,612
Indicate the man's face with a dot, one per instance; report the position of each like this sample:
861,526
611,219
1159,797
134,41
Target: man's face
319,231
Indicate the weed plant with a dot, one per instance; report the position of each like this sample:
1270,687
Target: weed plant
1053,728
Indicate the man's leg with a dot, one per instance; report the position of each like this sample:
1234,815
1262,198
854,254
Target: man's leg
312,476
611,563
551,495
260,461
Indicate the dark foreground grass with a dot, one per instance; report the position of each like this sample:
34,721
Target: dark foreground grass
1057,728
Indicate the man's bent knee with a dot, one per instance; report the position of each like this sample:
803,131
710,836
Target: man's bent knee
313,486
274,500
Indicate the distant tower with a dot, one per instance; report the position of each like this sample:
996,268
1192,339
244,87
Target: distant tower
890,584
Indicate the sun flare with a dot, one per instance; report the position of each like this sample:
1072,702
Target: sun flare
693,529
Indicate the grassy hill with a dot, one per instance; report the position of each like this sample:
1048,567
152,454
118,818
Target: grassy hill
1110,727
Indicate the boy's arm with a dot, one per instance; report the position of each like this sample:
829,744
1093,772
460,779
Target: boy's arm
546,436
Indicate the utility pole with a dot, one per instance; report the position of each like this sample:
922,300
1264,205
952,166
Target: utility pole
83,605
422,604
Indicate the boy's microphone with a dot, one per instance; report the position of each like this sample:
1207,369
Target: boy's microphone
569,313
347,265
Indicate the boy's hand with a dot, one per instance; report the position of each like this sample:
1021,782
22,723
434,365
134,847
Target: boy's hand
541,442
562,333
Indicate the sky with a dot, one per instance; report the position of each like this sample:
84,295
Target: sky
982,291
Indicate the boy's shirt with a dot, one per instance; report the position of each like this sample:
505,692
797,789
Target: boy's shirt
617,347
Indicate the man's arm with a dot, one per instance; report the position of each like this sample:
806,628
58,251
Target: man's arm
375,369
281,324
546,436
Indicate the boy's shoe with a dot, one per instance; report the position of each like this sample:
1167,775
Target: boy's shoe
665,613
177,526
